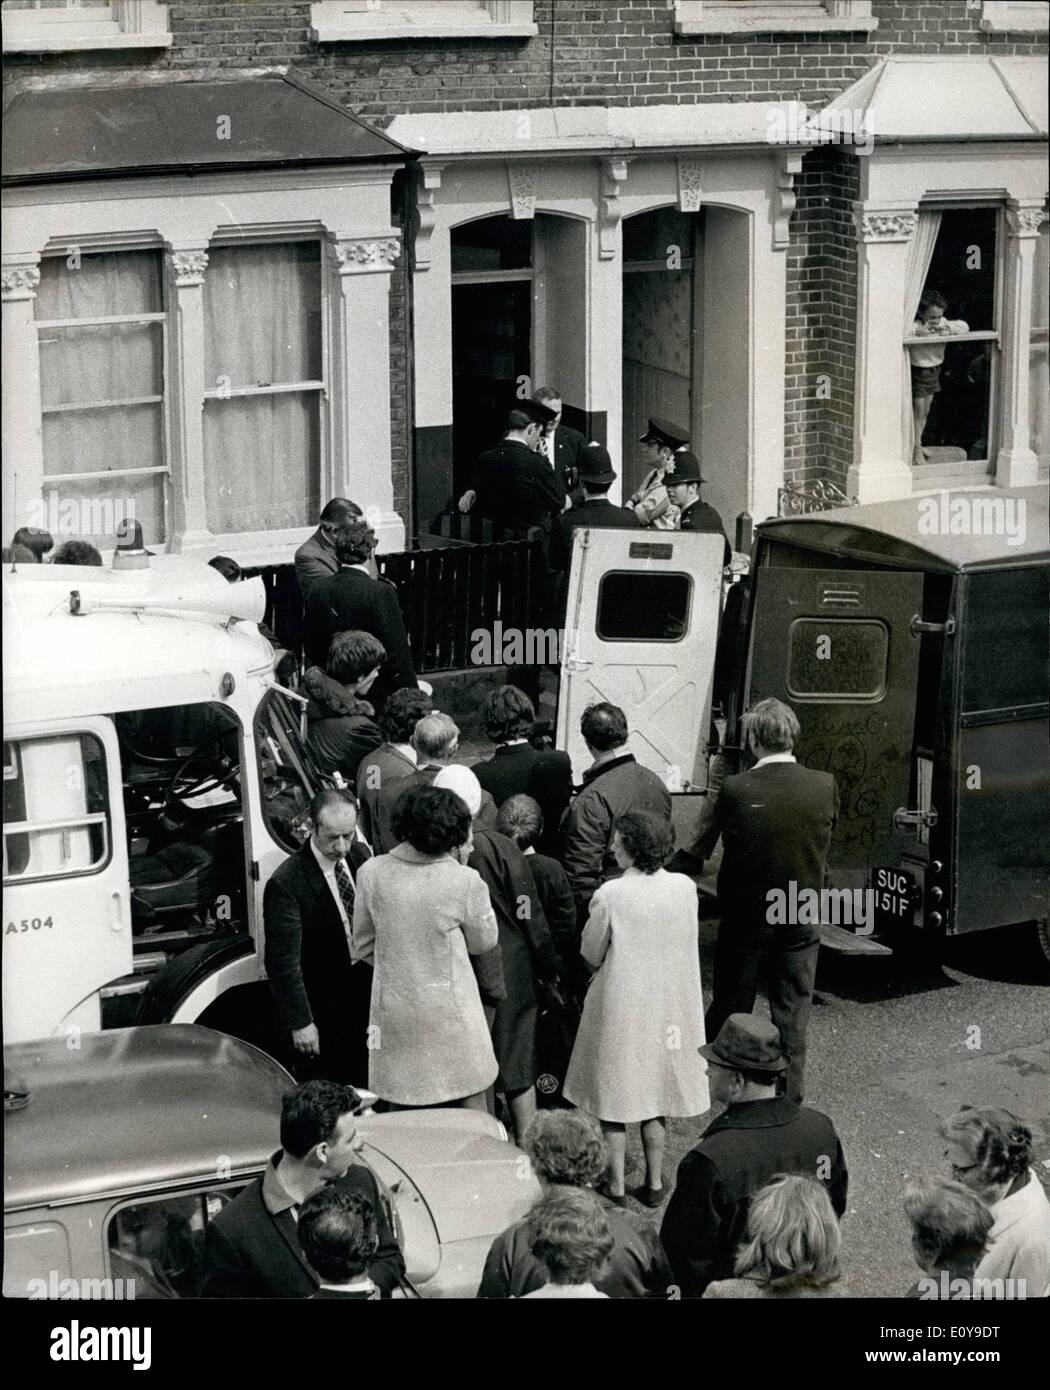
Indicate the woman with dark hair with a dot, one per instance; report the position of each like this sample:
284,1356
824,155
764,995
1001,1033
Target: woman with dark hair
395,758
990,1150
341,727
516,767
521,820
567,1231
950,1227
420,914
636,1059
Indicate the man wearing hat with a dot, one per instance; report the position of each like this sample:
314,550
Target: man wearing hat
758,1136
650,501
515,486
683,487
596,475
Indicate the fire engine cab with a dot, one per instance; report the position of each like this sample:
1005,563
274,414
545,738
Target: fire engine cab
154,777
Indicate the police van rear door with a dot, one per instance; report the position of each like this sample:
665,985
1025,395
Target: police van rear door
839,647
641,630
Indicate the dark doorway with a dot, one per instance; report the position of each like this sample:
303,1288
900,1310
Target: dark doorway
491,328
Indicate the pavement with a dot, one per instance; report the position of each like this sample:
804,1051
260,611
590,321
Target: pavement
894,1047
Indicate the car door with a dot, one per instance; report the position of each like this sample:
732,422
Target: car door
839,646
67,907
642,627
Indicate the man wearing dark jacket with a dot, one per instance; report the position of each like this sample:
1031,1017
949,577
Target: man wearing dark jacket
596,475
776,822
514,486
351,598
757,1137
252,1247
559,444
395,758
683,488
613,785
316,559
322,1002
341,729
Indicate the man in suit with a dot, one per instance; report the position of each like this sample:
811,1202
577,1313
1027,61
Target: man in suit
613,785
514,487
351,598
596,476
776,822
308,909
560,445
758,1136
395,758
252,1247
683,488
315,559
516,767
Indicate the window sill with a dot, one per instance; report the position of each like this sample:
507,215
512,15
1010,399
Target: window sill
371,33
787,24
53,43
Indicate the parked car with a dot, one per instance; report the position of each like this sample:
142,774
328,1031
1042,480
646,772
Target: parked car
122,1145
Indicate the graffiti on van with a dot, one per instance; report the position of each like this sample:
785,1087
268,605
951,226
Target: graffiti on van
844,745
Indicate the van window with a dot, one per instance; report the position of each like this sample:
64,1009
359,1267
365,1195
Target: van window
286,773
160,1243
56,812
837,659
32,1253
634,606
1005,657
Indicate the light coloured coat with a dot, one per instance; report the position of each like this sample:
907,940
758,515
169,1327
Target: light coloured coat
643,1019
1019,1241
418,918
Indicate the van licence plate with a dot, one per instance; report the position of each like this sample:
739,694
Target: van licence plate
894,890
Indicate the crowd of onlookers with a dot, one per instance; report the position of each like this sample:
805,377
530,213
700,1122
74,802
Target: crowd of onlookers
453,934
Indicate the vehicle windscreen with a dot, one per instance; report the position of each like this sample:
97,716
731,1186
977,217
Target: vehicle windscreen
288,777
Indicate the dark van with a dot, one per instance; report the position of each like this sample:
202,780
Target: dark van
911,637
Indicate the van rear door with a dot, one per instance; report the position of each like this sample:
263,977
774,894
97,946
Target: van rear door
838,646
67,904
641,631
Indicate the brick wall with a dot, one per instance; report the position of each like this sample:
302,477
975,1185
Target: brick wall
609,52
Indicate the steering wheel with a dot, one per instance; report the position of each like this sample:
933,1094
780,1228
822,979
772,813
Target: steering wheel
219,770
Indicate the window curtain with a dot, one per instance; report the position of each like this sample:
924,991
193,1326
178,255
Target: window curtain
1038,358
262,327
920,254
89,364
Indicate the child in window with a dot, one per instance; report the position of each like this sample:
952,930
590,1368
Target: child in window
928,359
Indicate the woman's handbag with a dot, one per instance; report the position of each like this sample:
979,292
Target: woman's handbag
556,1028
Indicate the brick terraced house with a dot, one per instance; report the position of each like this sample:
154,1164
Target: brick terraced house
257,254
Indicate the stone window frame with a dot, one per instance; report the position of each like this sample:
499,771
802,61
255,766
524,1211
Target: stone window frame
693,18
349,21
82,28
1015,17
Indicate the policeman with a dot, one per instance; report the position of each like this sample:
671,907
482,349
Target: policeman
650,501
683,488
515,486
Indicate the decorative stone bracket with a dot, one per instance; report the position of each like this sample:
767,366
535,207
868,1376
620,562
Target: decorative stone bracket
892,224
427,213
788,165
522,181
189,267
690,176
19,282
1024,219
614,175
362,256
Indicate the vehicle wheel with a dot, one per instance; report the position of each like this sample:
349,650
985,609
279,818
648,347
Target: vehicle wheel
246,1012
1041,934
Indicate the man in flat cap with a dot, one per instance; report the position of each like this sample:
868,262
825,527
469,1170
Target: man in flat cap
758,1136
661,441
683,487
515,487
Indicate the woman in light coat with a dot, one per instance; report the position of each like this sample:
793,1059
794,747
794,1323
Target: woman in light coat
419,915
635,1058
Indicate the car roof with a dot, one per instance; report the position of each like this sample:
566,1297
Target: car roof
135,1108
908,531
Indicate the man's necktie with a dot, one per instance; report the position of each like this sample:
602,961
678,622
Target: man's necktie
345,884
